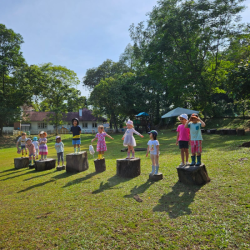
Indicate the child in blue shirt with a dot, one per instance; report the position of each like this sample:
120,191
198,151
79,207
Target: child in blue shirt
76,131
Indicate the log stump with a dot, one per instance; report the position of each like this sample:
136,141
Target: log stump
100,165
232,131
77,162
240,132
59,168
21,162
128,168
193,175
156,177
47,164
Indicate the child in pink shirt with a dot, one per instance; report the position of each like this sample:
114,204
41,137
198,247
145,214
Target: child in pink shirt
183,138
32,151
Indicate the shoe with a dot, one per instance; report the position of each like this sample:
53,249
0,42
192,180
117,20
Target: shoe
181,165
153,170
156,170
187,163
193,161
198,160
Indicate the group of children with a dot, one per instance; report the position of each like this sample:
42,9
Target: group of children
188,133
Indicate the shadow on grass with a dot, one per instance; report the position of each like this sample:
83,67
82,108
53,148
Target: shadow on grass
13,171
36,185
12,177
34,177
76,181
139,190
176,203
110,184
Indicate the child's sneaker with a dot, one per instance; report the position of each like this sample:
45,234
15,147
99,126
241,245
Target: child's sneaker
181,165
187,163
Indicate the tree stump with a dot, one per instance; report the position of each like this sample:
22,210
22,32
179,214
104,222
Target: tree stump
77,162
47,164
156,177
128,168
100,165
59,168
232,131
240,132
21,162
193,175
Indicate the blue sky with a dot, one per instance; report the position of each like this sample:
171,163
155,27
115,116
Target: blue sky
78,34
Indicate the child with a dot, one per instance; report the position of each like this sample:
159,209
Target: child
76,131
59,146
43,149
129,140
101,144
153,148
36,144
22,140
195,124
32,151
183,138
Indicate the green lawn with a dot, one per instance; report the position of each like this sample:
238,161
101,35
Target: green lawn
56,210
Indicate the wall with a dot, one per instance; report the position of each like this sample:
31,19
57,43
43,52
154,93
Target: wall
8,129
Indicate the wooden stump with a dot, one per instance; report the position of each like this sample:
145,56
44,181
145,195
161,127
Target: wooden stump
193,175
136,149
77,162
240,132
128,168
47,164
59,168
21,162
156,177
100,165
232,131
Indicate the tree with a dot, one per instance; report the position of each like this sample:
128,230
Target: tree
14,92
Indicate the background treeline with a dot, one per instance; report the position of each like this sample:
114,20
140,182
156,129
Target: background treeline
191,54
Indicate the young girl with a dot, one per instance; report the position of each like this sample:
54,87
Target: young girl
101,144
76,131
129,140
32,151
43,149
183,138
153,148
36,144
59,146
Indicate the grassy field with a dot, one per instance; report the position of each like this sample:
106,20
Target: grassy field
57,210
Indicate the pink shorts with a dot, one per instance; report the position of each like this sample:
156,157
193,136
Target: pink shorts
196,147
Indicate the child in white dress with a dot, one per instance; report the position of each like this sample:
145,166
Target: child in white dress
129,140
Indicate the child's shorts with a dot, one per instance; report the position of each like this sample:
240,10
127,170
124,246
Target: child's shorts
196,147
183,144
32,155
22,146
76,142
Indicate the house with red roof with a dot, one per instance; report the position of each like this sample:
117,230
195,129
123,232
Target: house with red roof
34,121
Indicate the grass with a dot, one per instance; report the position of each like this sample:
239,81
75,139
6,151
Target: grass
228,123
57,210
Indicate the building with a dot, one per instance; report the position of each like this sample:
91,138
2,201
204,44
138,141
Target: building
36,121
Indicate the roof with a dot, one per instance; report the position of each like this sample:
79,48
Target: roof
34,116
179,111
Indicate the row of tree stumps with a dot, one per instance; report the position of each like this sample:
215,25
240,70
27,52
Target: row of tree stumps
127,168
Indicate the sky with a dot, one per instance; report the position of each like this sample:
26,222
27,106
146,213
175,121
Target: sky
77,34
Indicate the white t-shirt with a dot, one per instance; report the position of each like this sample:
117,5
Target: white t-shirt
152,146
23,141
35,144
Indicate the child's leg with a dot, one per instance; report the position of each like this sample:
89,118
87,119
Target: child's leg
26,152
29,160
182,155
78,148
62,158
22,152
58,159
156,164
199,151
193,151
102,155
34,158
45,157
186,154
133,152
99,155
74,148
153,163
128,154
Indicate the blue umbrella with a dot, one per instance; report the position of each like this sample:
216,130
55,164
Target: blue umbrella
179,111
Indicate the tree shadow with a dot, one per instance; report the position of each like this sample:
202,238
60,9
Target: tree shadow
34,177
13,171
76,181
12,177
110,184
139,190
36,185
176,203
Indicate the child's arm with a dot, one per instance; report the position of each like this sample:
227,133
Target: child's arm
186,125
17,143
109,136
202,123
158,149
177,138
93,139
137,133
147,151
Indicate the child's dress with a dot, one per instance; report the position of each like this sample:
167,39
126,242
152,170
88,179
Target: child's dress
129,139
101,144
43,149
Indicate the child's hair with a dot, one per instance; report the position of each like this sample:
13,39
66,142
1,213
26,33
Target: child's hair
58,137
101,127
154,136
23,133
41,133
